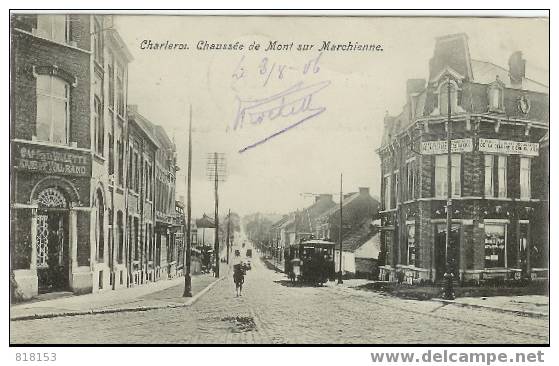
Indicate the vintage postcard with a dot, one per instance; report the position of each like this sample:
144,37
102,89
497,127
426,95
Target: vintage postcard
257,179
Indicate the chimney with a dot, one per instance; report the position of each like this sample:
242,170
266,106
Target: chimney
364,190
517,69
451,51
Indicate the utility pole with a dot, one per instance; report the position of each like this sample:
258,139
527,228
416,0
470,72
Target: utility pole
215,171
340,281
187,279
448,292
228,233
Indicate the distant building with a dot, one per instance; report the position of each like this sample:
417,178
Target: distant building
499,172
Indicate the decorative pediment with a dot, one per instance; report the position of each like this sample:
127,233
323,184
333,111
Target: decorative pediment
447,71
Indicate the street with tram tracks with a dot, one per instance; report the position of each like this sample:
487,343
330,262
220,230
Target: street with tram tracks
272,311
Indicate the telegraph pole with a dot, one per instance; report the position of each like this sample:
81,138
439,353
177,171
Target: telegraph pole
448,292
215,171
187,279
340,281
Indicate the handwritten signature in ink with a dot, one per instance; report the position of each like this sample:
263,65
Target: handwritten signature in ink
294,101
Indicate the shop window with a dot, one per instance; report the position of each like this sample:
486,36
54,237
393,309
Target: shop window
495,246
54,27
441,175
489,185
53,109
411,244
525,178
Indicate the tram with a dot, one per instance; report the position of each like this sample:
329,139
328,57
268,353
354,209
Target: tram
311,261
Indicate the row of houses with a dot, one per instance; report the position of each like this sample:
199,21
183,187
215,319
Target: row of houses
321,220
92,181
499,125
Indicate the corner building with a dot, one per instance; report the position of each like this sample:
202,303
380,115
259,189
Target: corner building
500,171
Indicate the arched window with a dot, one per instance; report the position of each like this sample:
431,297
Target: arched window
53,109
100,227
455,98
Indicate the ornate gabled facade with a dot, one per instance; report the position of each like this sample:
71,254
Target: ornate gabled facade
499,173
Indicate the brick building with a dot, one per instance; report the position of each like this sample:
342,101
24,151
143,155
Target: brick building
73,197
500,165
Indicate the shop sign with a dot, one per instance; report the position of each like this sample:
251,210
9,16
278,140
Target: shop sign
440,147
509,147
51,160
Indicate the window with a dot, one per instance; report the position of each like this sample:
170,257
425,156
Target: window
411,244
120,90
525,168
410,168
455,98
98,41
495,95
53,27
53,109
387,188
111,155
489,190
502,176
137,168
111,76
130,167
441,175
396,190
120,172
120,244
136,239
495,246
99,126
100,227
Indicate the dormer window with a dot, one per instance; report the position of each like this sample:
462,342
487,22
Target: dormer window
495,96
441,98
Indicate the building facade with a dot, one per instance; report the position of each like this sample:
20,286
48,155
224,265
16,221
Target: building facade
499,174
78,209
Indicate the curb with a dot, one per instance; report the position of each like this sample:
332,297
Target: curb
190,302
528,313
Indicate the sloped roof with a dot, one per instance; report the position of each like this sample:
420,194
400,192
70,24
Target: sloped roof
370,248
355,239
205,222
485,73
336,208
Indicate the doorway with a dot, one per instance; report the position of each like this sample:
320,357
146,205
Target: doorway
444,255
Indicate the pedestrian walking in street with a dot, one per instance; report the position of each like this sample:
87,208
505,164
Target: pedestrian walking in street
239,278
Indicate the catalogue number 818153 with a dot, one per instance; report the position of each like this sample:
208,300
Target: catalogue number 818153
35,356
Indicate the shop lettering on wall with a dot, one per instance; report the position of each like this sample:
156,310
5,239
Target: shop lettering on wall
509,147
440,147
52,161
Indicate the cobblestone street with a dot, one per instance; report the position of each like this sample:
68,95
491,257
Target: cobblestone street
272,311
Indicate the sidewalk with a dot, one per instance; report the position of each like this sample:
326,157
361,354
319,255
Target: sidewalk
161,294
526,305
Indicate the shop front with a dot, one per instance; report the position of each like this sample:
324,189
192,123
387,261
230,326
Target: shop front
50,220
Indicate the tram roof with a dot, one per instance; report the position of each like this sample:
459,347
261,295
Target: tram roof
318,242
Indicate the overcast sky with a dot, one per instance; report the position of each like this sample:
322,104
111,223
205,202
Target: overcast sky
349,92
